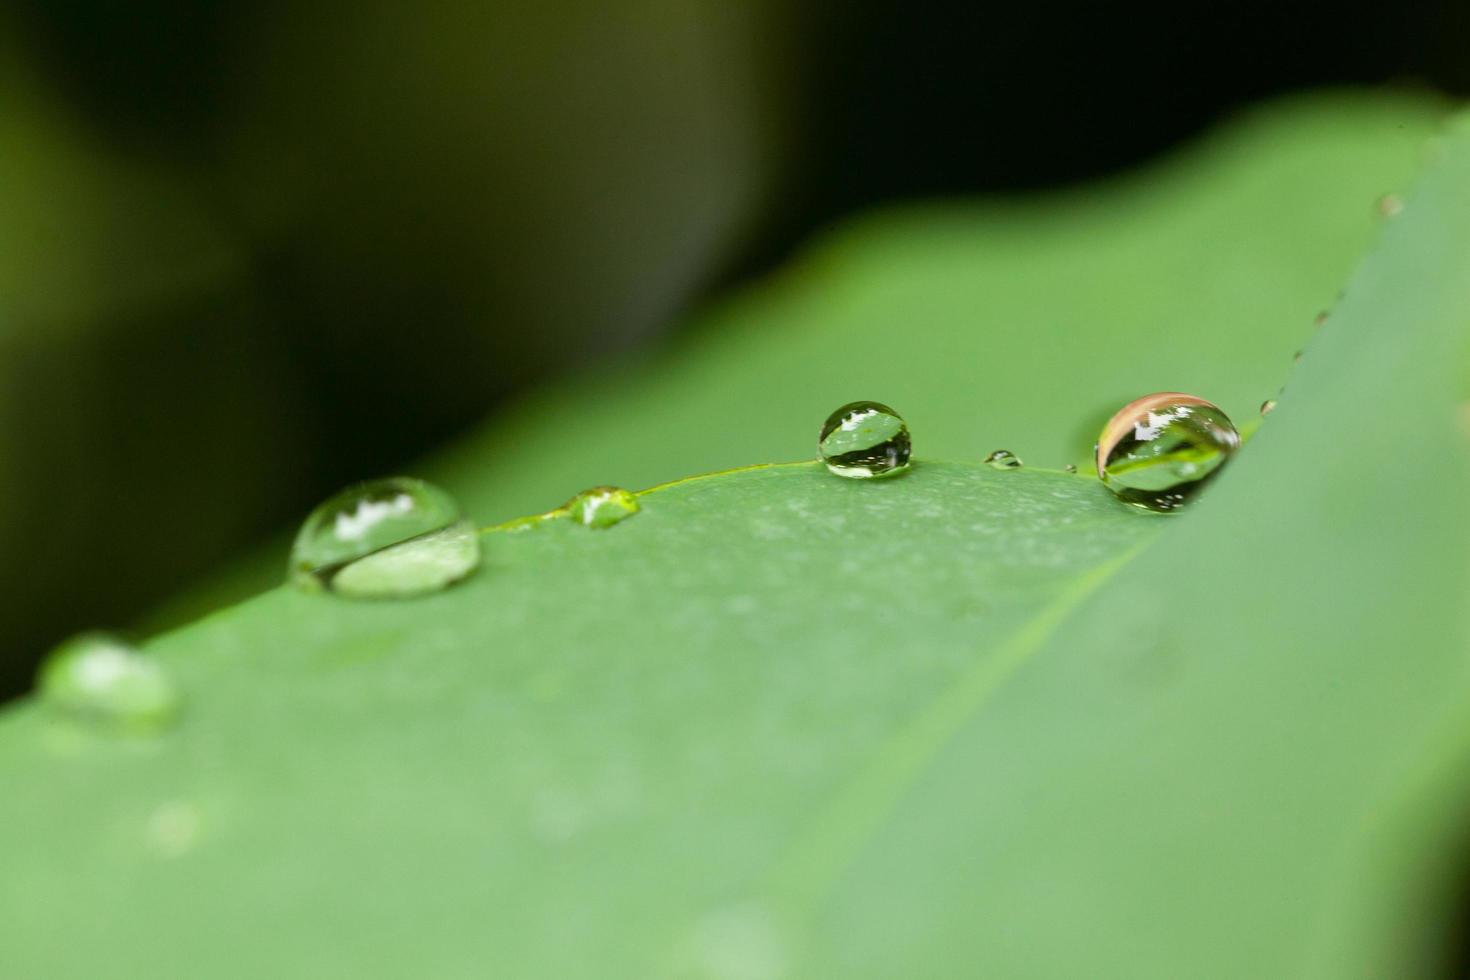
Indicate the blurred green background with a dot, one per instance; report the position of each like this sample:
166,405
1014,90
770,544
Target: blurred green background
251,252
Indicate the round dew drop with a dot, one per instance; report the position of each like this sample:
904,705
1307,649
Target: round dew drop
865,439
388,538
1157,452
1003,459
102,681
602,507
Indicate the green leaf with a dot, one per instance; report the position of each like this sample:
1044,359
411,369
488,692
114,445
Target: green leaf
645,715
1020,323
961,722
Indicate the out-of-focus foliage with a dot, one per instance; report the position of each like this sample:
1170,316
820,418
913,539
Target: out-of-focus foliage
145,404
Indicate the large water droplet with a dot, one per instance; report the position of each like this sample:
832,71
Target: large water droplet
101,680
385,539
602,506
1003,459
865,439
1157,452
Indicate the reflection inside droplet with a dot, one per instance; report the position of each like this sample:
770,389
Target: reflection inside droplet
863,440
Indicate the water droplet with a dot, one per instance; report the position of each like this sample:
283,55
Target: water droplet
1070,467
1268,406
602,506
1003,459
385,539
1157,452
1390,206
101,680
1320,319
1296,357
864,439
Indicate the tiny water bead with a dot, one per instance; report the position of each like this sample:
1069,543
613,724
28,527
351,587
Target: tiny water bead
602,506
865,439
99,679
1003,459
1070,468
388,538
1268,406
1389,206
1157,452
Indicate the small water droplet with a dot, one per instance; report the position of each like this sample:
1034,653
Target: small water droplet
1268,406
99,679
865,439
386,538
602,506
1390,206
1296,357
1157,452
1320,319
1003,459
1070,467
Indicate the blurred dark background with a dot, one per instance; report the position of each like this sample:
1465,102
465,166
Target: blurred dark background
250,252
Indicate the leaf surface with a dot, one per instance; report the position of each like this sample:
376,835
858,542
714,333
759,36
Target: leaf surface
964,722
